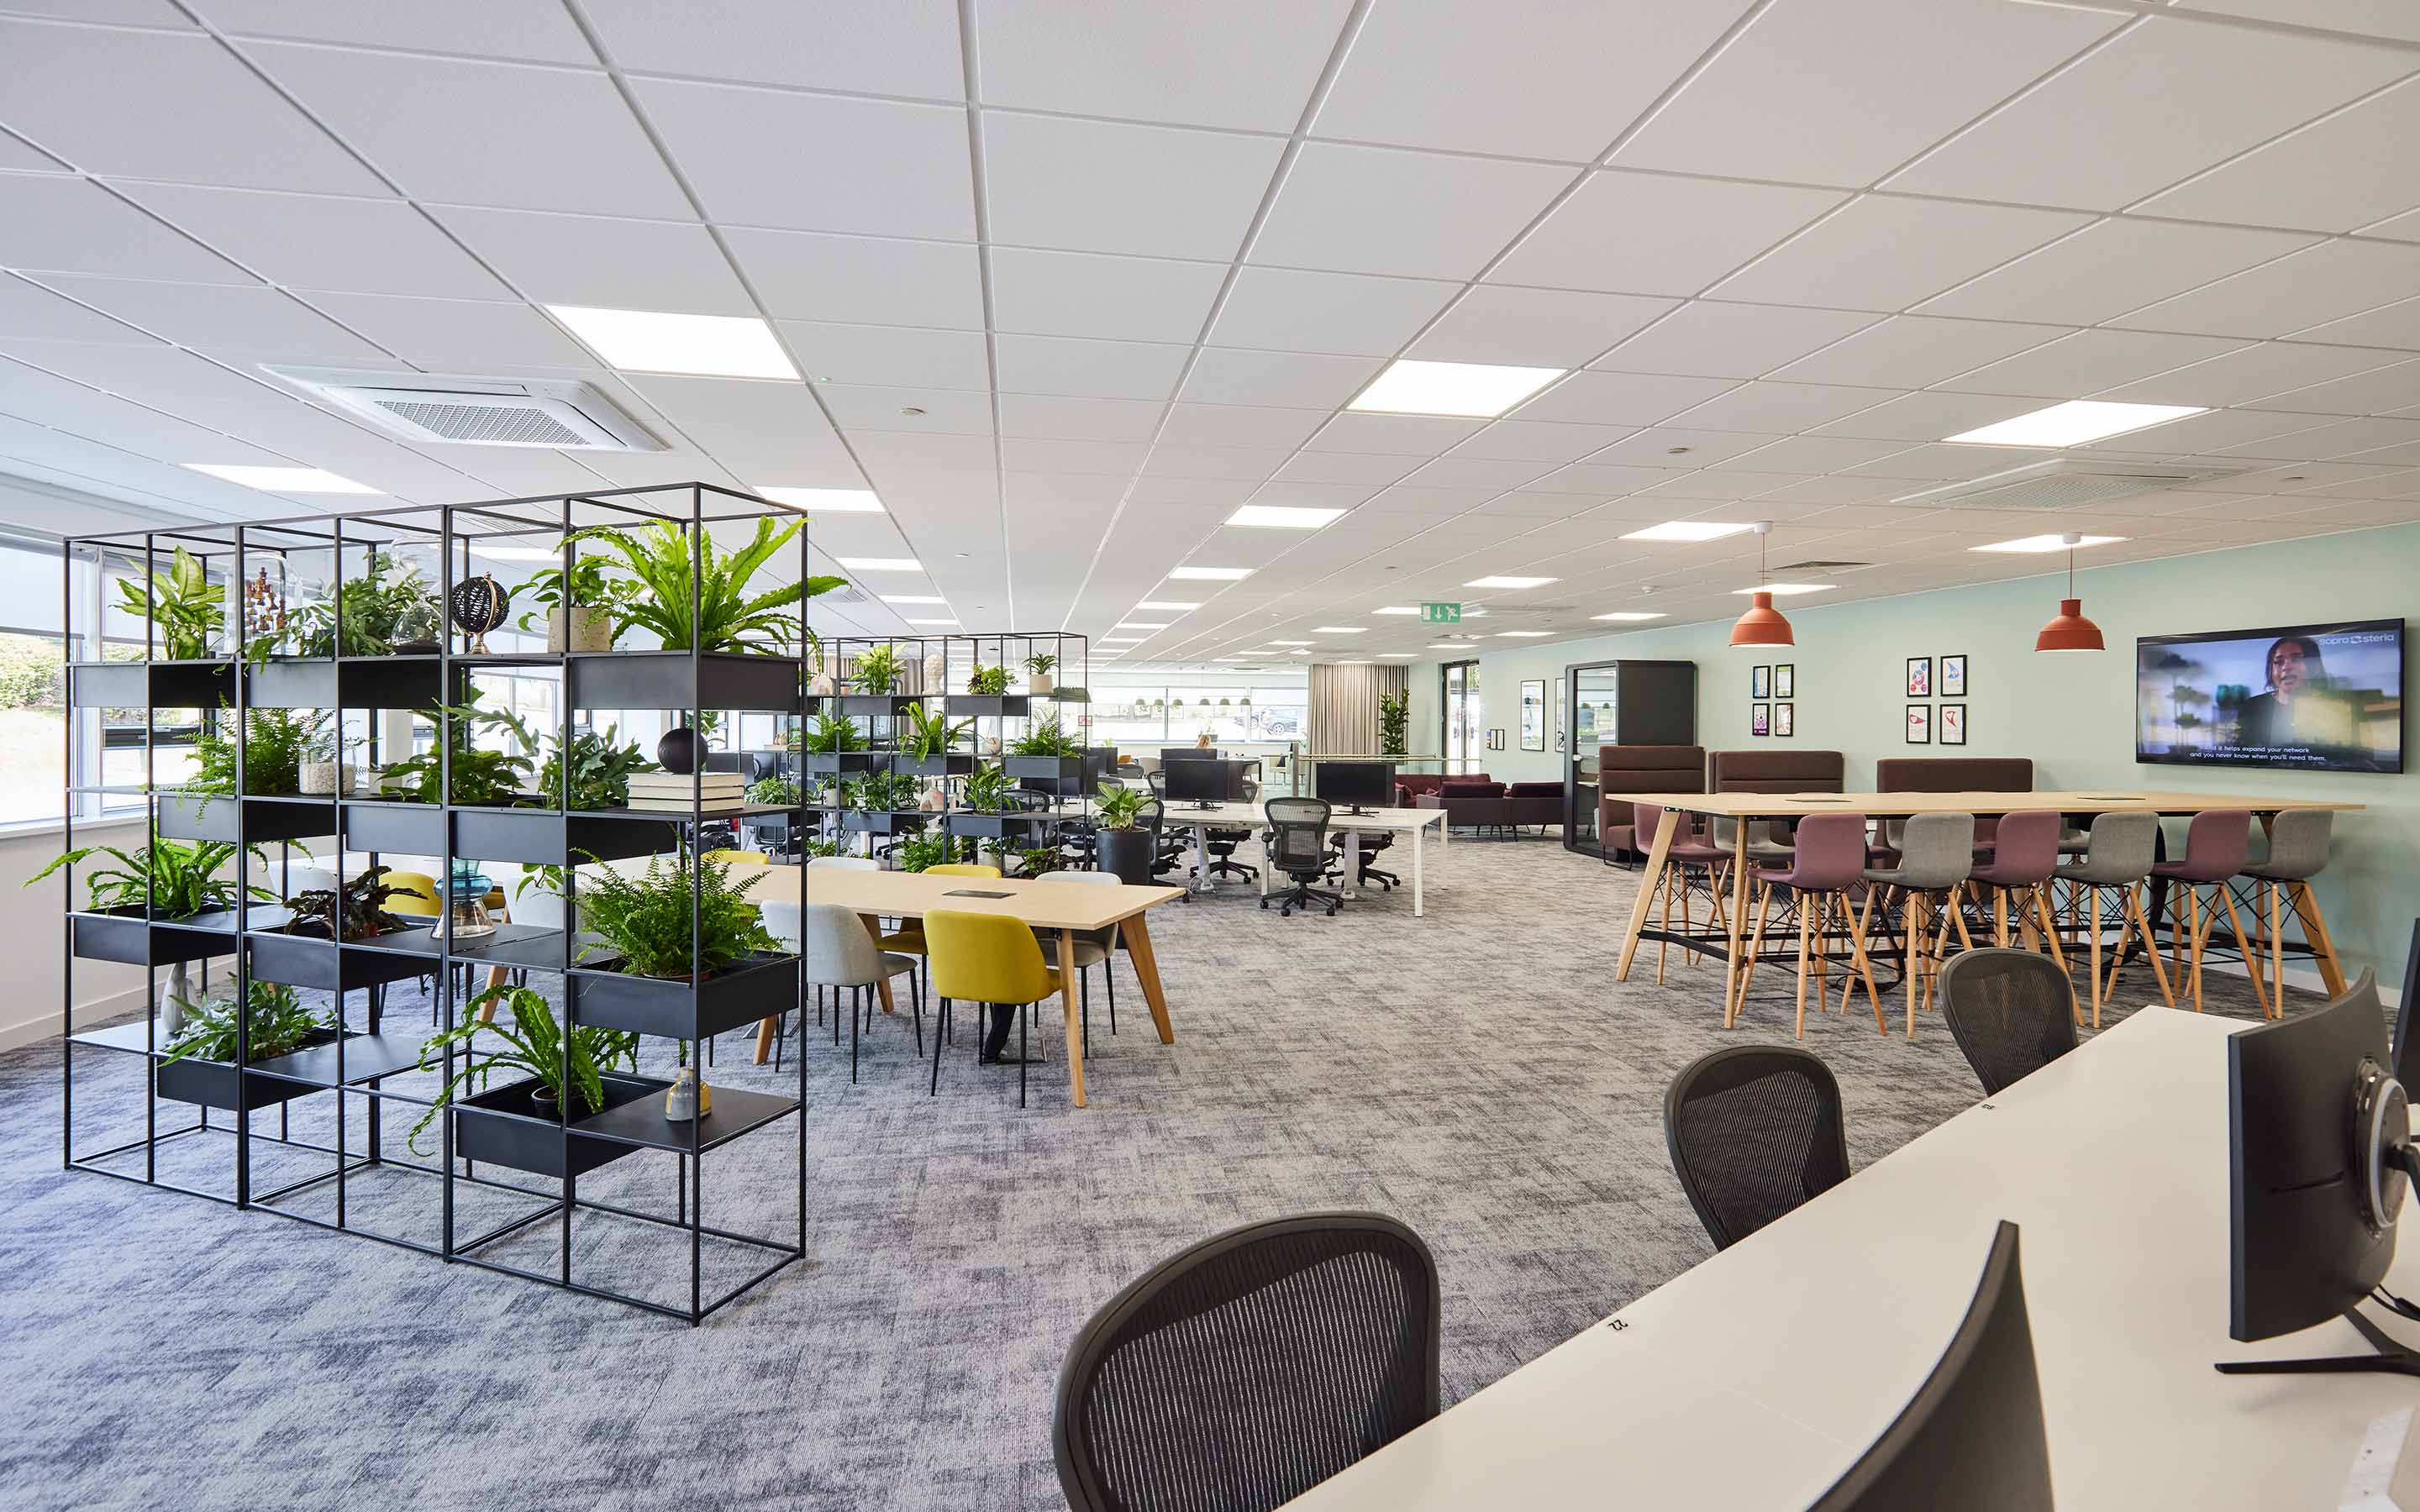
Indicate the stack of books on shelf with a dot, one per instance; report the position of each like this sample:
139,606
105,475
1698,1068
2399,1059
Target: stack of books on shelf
717,793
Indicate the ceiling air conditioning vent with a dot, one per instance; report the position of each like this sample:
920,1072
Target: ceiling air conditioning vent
1819,565
476,411
2061,483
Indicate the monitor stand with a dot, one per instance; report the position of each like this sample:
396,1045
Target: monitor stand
2391,1359
1357,811
1205,805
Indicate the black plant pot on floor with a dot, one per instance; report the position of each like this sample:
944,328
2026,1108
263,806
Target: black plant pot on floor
1129,853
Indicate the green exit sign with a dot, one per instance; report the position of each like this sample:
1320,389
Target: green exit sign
1441,613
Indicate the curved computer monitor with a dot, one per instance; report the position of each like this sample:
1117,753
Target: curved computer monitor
2312,1196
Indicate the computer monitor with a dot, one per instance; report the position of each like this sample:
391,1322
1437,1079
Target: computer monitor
1357,785
2407,1054
1186,753
2320,1144
1200,783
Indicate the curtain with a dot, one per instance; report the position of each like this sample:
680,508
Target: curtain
1344,719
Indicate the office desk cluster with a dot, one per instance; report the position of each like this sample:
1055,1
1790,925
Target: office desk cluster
1413,823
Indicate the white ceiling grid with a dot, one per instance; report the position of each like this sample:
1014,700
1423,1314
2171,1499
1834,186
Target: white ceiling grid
1070,280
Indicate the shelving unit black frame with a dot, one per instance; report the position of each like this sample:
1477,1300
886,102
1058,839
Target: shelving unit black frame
497,1125
959,655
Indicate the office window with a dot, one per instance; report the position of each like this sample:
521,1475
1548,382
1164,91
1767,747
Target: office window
33,727
1141,716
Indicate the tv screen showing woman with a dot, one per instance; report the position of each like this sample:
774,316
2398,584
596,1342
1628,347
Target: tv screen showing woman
2325,697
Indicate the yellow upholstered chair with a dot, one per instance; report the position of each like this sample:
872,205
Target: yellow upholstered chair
730,858
986,958
909,938
416,894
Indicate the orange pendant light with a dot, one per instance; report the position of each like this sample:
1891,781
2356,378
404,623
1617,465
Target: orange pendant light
2071,630
1762,624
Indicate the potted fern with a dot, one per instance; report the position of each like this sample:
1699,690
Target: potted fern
513,1124
1047,750
832,743
988,694
648,970
200,1064
701,602
168,880
928,741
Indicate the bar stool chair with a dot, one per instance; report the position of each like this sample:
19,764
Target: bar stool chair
990,959
2118,854
839,954
1936,856
1828,861
2217,843
1647,821
2025,857
2297,851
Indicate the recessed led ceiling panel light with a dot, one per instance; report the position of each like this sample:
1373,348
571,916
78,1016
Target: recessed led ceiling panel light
1473,389
881,564
932,622
1397,609
1364,662
1626,616
1230,658
1338,629
281,480
827,501
1289,642
655,341
2074,422
1167,605
2048,543
1785,588
1141,625
1281,517
1524,635
1453,645
1209,575
1399,655
913,598
1688,530
1509,582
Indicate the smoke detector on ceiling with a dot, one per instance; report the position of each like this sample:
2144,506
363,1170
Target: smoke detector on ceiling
479,412
2063,482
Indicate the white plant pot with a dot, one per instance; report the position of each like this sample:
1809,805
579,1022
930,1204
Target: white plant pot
174,985
937,672
327,778
822,686
591,629
1039,683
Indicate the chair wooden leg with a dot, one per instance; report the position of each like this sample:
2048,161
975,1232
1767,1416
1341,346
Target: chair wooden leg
1958,916
1665,926
1681,885
1822,949
2000,916
1862,962
2277,943
1806,936
2093,934
2194,933
1911,952
2315,929
2159,972
2041,900
2245,946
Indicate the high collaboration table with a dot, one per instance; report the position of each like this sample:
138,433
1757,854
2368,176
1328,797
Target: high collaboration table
1745,807
1407,821
1755,1379
1057,907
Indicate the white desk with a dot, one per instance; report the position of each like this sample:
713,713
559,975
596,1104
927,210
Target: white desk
1410,822
1755,1379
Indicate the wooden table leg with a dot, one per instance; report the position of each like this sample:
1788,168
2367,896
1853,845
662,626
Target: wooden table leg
1646,900
1136,934
1075,1020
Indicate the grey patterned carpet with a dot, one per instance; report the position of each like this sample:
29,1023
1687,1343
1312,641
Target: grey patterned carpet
1478,1074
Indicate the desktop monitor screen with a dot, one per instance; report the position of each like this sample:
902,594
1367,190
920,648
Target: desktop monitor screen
2301,1169
1355,784
2316,697
1186,753
1196,781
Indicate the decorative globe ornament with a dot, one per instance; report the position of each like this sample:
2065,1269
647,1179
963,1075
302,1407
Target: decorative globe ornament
480,605
680,750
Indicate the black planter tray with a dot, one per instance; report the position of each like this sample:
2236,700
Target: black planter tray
825,763
387,825
991,705
755,988
509,944
404,681
545,837
953,764
641,1122
503,1126
307,961
212,1083
260,818
878,706
884,821
997,825
1056,768
670,680
158,685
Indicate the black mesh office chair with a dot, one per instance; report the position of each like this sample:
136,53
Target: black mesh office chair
1372,841
1975,1424
1755,1132
1299,848
1242,1371
2011,1011
1166,852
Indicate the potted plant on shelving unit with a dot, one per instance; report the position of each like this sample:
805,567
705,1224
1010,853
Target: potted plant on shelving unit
988,682
637,971
355,910
200,1063
918,852
1124,846
1037,674
481,775
701,602
167,880
876,670
926,745
1394,723
491,1124
580,605
188,610
602,767
831,744
1046,750
385,611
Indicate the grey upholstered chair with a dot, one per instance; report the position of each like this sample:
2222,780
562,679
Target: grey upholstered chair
841,955
2297,851
2118,856
1094,947
1936,855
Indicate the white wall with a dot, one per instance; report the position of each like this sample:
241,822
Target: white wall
2073,714
33,923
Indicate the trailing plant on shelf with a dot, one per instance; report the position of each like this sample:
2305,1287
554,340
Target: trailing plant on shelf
355,911
988,682
278,743
374,607
481,774
1118,806
1037,862
278,1023
534,1045
188,610
877,669
987,788
179,878
775,792
586,586
645,918
831,734
701,602
602,767
930,733
1048,739
1394,723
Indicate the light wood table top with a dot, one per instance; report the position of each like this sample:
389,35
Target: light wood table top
1895,805
1043,903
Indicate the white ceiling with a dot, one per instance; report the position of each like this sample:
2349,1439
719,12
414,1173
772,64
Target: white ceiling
1130,260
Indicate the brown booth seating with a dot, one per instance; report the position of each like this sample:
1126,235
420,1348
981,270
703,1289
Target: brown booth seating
1957,774
1472,805
1775,771
1410,785
1641,769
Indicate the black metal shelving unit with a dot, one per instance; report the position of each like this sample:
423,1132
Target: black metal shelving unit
498,1126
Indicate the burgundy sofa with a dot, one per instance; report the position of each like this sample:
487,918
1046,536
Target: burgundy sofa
1641,769
1957,774
1494,806
1410,785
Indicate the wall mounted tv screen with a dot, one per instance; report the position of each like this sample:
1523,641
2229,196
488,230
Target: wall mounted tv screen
2323,698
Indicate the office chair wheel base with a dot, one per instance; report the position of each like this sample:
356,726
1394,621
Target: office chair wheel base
1331,912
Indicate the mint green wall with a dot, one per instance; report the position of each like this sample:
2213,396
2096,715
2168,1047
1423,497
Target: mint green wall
2073,714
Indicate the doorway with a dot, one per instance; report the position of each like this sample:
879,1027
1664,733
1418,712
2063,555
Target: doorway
1462,730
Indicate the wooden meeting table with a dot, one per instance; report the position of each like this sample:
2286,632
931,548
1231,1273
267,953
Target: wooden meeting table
1057,906
1746,806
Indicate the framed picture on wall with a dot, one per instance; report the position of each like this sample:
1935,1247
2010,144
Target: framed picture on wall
1919,677
1785,680
1919,724
1759,720
1953,676
1760,682
1533,714
1953,724
1784,719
